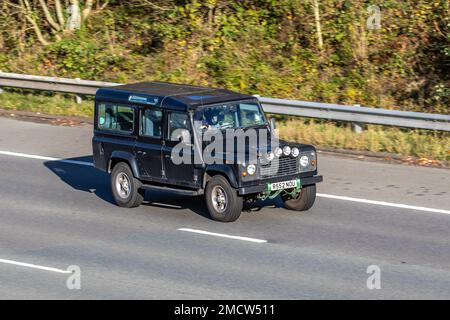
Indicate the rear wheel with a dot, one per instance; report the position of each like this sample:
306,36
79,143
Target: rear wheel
125,187
303,201
222,200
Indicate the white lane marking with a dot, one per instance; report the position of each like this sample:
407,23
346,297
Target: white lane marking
34,266
223,235
323,195
32,156
383,203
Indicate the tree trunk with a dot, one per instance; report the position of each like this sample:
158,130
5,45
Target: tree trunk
48,16
60,14
88,8
38,31
318,24
74,20
27,13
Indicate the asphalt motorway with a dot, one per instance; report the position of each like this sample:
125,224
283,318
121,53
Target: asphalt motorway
55,214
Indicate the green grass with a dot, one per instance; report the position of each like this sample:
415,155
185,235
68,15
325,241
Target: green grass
417,143
56,104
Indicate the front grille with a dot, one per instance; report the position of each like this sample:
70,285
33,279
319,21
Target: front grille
286,166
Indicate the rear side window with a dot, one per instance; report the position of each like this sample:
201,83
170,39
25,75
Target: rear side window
115,117
151,120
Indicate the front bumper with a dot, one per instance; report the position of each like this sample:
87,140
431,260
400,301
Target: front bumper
262,187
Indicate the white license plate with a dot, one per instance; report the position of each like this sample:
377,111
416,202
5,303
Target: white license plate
283,185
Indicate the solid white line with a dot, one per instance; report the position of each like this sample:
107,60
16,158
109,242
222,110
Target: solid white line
32,156
34,266
323,195
383,203
222,235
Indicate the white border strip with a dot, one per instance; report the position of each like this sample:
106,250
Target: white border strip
34,266
222,235
383,203
32,156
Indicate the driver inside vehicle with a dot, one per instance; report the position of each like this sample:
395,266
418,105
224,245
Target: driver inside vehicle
212,118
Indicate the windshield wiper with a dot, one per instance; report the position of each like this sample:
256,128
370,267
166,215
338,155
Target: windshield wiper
255,126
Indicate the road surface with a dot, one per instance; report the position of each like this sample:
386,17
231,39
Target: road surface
55,214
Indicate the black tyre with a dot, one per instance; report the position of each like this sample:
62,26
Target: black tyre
304,200
125,187
222,200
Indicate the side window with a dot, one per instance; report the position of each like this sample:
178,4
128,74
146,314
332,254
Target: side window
250,114
177,120
115,117
151,120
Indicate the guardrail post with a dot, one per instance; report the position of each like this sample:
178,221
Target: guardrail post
357,127
78,98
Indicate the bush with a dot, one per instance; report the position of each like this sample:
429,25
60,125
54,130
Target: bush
79,57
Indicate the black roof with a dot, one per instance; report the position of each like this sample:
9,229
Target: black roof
168,95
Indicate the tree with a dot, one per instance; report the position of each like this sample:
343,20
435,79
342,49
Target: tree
49,20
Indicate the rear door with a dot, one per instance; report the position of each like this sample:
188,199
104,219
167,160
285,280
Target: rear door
149,143
180,174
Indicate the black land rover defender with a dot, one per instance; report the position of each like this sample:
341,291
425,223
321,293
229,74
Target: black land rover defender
137,128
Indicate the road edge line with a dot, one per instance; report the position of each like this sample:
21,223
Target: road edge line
383,203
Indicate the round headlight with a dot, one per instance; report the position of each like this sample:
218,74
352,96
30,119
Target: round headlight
295,152
251,169
270,155
278,151
287,150
304,161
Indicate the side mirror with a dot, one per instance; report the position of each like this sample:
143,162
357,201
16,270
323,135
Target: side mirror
273,128
273,124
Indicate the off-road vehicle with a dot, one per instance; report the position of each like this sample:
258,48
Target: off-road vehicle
137,128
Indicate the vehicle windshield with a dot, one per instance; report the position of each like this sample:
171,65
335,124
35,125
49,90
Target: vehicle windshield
231,115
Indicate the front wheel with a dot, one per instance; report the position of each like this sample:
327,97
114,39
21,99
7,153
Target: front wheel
222,200
125,187
304,200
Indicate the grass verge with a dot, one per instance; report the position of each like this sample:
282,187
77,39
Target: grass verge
49,103
405,142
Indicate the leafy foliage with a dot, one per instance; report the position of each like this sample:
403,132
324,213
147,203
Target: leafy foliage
256,46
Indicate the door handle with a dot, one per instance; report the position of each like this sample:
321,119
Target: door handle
141,152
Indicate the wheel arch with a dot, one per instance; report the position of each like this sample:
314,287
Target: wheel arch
223,170
123,156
